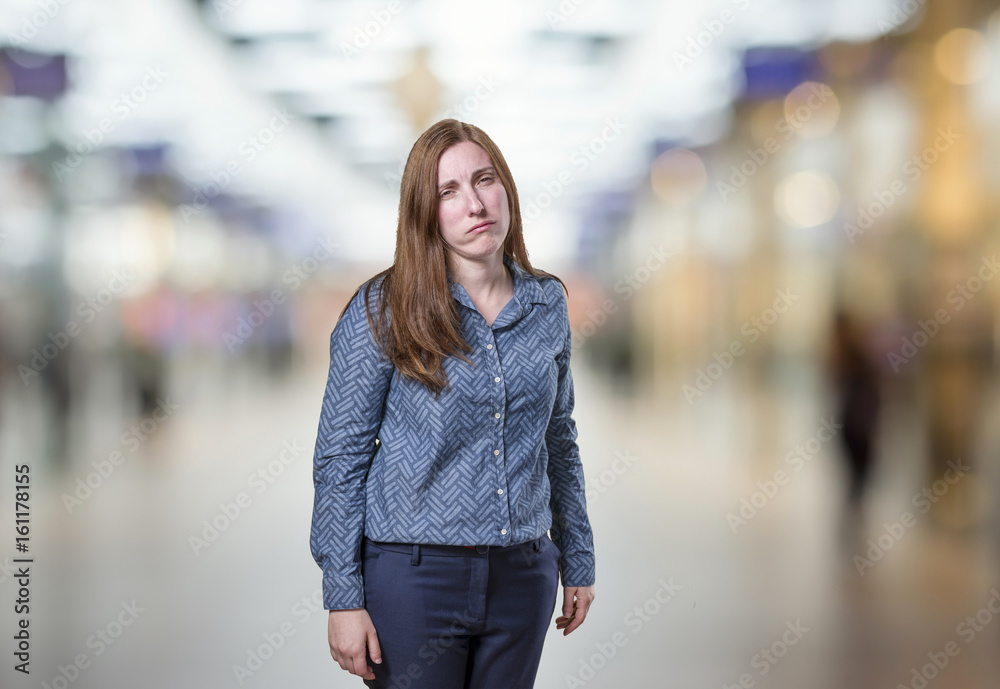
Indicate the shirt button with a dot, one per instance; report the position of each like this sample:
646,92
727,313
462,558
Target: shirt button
496,452
503,531
497,379
499,491
489,346
497,415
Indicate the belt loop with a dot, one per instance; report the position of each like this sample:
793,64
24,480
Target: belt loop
415,560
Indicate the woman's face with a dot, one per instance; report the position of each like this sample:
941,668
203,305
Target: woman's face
469,195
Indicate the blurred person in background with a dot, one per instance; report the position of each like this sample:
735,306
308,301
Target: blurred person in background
855,378
437,567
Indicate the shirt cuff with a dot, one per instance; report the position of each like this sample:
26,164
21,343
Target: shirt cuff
342,593
577,569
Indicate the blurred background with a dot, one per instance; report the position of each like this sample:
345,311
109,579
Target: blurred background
778,223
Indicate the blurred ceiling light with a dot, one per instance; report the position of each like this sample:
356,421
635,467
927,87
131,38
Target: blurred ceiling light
678,176
806,199
262,18
962,56
812,109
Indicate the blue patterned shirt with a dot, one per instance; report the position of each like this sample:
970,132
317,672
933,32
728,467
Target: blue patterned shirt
492,461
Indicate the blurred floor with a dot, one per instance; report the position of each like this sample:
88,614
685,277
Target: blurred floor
682,600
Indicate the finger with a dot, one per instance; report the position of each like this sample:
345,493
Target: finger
573,624
569,604
374,650
360,667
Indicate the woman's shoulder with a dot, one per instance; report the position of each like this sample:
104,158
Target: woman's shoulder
552,288
368,293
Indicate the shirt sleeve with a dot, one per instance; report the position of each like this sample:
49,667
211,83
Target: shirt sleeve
570,531
353,404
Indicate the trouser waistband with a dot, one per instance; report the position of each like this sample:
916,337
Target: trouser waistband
416,549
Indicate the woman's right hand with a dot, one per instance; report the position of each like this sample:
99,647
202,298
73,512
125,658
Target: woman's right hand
351,634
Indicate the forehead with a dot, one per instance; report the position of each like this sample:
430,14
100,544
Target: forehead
462,158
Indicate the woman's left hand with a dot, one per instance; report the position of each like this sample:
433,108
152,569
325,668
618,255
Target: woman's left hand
576,603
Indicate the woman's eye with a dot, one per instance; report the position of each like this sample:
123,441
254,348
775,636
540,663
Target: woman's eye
486,178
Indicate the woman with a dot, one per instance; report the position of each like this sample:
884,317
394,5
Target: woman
437,569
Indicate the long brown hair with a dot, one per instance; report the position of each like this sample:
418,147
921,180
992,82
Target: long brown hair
423,326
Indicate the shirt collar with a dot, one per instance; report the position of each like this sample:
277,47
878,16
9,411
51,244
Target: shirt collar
527,289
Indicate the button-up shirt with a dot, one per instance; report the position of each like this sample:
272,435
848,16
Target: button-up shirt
492,461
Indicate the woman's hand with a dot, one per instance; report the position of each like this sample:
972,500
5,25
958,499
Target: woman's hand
351,634
576,603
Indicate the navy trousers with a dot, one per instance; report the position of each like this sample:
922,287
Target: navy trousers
459,618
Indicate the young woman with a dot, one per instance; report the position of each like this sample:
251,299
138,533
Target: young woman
446,447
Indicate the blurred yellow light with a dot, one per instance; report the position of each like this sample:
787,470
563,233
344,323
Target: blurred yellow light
812,109
678,176
962,56
806,199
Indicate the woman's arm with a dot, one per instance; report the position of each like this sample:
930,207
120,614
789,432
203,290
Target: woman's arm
570,530
349,422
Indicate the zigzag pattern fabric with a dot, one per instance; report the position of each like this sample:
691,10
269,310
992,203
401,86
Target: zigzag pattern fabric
492,461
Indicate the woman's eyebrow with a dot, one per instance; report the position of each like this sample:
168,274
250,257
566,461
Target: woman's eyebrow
477,172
